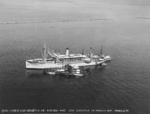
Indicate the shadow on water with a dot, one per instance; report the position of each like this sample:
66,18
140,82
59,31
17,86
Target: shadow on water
59,81
34,73
40,73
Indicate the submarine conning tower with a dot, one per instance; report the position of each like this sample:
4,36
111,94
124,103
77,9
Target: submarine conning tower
67,51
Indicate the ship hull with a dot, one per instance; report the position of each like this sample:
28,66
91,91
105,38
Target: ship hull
40,66
48,65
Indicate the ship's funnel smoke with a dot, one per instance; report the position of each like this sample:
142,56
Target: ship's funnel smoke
67,51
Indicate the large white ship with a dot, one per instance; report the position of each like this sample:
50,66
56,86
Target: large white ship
58,61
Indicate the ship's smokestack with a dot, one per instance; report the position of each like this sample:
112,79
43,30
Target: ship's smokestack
67,51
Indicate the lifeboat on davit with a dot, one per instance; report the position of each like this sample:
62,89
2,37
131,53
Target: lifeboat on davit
95,57
87,60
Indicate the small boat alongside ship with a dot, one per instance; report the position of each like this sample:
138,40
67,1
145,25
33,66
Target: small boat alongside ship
66,64
67,71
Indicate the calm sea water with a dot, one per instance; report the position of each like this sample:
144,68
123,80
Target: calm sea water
122,84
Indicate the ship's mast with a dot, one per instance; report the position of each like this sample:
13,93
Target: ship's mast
91,53
44,54
83,51
101,51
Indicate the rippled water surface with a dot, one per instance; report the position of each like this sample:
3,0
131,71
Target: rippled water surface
122,84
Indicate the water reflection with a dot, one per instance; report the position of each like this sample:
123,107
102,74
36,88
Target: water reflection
40,73
34,73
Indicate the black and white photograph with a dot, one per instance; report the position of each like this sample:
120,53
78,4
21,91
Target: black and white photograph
75,56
